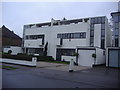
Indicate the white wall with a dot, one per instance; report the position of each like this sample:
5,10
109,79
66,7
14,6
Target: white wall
85,57
33,43
97,35
74,42
68,58
21,62
14,49
6,50
108,34
51,36
100,57
51,32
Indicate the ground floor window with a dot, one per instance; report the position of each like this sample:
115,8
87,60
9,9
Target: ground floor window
32,51
67,52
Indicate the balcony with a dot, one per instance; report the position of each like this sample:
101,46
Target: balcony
33,43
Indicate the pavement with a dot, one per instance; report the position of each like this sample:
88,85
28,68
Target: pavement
60,67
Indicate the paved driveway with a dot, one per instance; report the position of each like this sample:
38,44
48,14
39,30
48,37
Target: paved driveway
60,67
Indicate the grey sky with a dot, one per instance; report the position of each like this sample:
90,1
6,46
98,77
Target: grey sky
17,14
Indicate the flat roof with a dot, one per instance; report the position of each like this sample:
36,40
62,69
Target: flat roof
115,13
64,21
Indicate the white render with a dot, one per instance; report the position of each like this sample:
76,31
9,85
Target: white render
21,62
97,35
68,58
15,50
85,57
50,32
33,43
100,56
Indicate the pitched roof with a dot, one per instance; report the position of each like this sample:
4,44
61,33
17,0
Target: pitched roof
7,33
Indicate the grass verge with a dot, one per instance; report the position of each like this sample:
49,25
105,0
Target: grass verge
8,67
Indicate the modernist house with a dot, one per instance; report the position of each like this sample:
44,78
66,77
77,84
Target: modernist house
86,36
113,53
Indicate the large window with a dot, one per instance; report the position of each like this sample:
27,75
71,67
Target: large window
72,35
66,52
35,51
97,20
34,36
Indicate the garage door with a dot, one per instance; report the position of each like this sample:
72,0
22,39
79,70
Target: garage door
85,57
114,56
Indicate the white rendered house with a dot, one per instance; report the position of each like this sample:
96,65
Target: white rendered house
65,37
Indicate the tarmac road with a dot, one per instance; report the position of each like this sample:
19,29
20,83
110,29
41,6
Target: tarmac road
27,77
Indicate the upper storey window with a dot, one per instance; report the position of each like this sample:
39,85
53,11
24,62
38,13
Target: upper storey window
29,37
72,35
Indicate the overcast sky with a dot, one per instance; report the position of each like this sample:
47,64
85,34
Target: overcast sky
17,14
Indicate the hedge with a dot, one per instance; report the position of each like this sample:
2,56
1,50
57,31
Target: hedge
27,57
45,58
17,57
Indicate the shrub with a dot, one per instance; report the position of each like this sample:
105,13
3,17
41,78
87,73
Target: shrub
9,51
45,58
24,56
21,54
17,57
76,54
94,55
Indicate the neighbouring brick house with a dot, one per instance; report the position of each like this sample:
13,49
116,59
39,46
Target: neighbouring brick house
8,38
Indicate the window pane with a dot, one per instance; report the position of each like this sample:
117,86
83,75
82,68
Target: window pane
116,31
63,35
92,27
92,20
91,39
27,37
84,35
72,35
96,21
116,42
91,33
102,26
102,43
103,32
91,44
116,25
119,18
58,35
99,20
76,35
115,18
103,19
